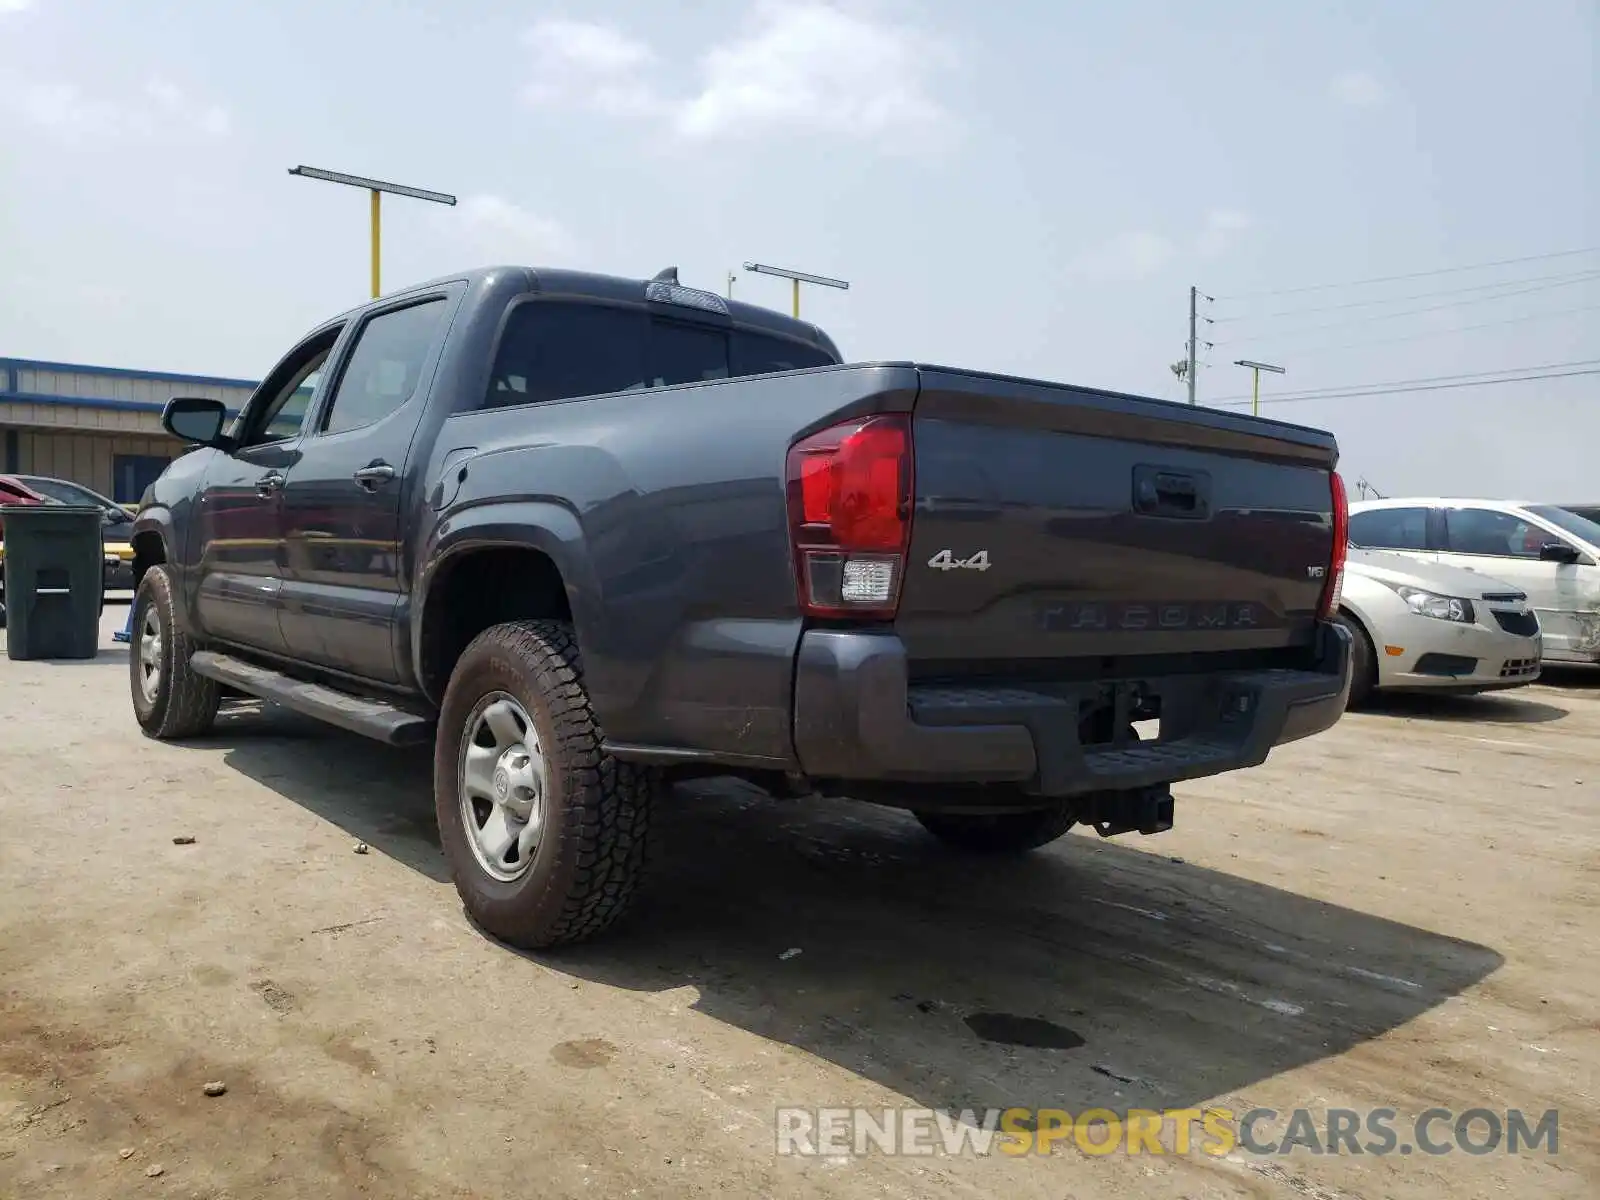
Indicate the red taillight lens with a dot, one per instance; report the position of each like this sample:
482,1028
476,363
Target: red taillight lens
850,516
1333,587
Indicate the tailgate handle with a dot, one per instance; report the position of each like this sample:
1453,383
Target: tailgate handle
1160,492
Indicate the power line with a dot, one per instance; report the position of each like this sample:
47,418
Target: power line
1411,312
1337,389
1427,333
1476,287
1437,387
1503,262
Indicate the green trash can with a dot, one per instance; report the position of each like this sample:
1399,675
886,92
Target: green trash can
55,580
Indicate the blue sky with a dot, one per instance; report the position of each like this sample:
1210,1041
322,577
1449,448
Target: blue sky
1029,187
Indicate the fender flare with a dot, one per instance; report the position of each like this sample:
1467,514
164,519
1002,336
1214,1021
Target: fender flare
545,526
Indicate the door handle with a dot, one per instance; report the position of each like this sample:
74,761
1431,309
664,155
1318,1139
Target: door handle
269,484
374,476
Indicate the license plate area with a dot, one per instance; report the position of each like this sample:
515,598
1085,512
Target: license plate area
1119,713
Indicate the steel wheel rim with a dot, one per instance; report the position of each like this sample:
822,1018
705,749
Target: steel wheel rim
502,781
150,650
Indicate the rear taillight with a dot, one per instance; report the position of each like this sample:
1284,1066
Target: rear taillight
850,516
1333,587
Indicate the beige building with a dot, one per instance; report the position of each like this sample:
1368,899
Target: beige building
98,426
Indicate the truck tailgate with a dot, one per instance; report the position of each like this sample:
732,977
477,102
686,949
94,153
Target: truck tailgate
1053,523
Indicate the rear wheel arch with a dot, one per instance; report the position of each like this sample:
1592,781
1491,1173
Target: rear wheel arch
476,588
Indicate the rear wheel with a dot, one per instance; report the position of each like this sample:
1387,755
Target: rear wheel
1363,663
544,831
169,699
999,833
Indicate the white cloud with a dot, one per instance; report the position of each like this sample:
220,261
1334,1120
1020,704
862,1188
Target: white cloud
814,66
14,6
63,109
501,231
1358,89
589,65
70,114
799,65
1222,229
1137,254
182,109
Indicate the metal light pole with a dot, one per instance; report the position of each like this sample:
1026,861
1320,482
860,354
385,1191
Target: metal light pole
1255,371
796,278
377,187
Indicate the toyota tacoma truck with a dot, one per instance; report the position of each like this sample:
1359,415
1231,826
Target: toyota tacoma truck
590,536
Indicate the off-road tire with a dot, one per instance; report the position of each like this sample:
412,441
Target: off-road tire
999,833
1363,663
591,856
185,704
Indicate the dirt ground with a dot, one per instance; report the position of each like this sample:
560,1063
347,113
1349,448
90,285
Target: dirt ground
1403,912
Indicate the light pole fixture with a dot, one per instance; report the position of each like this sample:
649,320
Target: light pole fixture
1255,373
796,278
377,187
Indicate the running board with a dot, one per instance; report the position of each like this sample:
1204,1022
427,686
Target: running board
370,718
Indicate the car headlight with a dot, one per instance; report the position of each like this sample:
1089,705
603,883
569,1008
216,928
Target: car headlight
1431,604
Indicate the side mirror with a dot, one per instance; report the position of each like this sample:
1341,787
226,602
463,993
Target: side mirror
197,419
1558,552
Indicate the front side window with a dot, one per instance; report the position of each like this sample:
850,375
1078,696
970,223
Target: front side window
385,367
1486,531
1390,529
1575,522
279,407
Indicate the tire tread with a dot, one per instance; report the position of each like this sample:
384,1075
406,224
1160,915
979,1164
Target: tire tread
605,831
188,705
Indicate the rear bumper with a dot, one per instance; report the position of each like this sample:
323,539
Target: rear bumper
857,718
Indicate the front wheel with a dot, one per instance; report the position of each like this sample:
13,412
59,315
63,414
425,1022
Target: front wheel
999,833
169,699
544,831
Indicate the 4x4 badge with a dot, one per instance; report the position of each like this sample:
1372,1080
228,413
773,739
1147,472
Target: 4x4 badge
946,560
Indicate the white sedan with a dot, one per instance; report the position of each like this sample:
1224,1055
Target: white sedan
1421,627
1542,549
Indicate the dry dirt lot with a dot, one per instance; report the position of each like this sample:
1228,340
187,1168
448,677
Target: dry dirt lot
1400,913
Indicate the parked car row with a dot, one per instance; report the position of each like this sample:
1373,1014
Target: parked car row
1469,595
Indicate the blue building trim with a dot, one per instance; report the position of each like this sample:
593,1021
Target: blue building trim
35,364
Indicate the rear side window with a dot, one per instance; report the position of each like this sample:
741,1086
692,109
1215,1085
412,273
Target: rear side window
555,351
1390,529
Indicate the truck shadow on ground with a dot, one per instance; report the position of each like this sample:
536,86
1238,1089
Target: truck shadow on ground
1487,709
1092,973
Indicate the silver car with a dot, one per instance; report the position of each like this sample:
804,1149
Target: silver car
1424,627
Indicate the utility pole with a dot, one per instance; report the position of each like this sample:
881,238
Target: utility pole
1194,346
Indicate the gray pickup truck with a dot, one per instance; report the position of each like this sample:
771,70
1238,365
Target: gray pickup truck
589,536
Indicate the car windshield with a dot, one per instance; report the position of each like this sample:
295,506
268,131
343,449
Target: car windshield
1579,527
65,492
